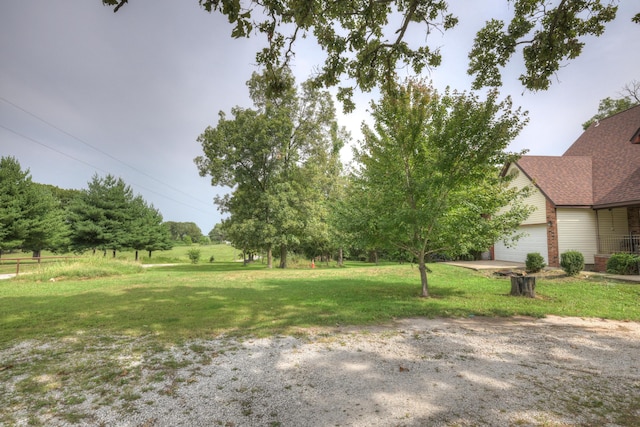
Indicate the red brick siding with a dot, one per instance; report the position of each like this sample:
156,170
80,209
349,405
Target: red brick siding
552,236
601,263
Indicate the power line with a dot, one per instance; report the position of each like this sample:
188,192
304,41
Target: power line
96,167
14,105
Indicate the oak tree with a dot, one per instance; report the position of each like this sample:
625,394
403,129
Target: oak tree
365,42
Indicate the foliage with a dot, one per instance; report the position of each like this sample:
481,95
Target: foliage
81,269
428,177
534,262
218,234
277,158
609,106
623,263
366,42
194,255
572,262
108,216
31,218
180,230
147,231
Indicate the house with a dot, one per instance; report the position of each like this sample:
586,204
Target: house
587,200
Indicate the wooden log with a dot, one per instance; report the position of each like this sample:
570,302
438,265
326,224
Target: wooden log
523,286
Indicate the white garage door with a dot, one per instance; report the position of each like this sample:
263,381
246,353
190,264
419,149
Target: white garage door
535,240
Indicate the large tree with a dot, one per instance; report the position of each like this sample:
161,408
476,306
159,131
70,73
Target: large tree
180,230
147,231
430,170
31,218
100,217
366,41
274,158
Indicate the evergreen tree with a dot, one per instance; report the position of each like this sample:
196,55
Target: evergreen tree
101,217
31,218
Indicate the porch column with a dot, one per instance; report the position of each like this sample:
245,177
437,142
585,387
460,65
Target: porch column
552,235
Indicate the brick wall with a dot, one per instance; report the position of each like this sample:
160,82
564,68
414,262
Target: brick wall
601,263
552,236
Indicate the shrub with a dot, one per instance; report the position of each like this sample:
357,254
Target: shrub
623,264
534,262
194,255
572,262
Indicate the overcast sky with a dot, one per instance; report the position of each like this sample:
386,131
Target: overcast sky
85,91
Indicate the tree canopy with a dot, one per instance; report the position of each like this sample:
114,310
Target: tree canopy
365,42
608,106
277,158
31,218
108,216
428,179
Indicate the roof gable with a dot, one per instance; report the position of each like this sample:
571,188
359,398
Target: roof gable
565,181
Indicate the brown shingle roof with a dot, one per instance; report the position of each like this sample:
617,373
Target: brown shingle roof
616,160
601,169
566,180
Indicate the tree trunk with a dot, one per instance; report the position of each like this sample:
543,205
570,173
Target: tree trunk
283,256
149,254
36,254
340,257
422,266
136,254
523,286
269,257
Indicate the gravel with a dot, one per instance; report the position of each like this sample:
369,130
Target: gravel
415,372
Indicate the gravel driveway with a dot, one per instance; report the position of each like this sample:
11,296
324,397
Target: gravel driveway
415,372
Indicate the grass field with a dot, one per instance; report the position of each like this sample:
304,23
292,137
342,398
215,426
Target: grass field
220,253
73,329
186,301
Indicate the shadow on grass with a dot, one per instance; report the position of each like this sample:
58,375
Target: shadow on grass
177,303
188,306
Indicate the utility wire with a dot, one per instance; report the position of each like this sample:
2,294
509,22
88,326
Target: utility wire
96,167
100,151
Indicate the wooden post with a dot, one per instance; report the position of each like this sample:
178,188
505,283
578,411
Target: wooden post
523,286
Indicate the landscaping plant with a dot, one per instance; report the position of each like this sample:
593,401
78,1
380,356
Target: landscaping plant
534,262
623,263
572,262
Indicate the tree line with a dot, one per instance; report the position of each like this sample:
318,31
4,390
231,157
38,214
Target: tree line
106,216
426,177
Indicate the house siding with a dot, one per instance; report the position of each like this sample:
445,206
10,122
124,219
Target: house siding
534,239
577,231
613,222
536,199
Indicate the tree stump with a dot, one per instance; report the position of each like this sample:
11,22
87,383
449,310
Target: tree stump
523,286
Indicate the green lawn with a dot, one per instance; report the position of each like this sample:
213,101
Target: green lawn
203,300
220,253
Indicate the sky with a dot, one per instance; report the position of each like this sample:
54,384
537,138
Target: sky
84,91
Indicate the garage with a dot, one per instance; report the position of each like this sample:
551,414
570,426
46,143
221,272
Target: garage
534,240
